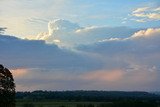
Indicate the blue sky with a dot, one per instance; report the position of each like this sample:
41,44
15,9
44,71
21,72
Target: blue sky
81,44
20,17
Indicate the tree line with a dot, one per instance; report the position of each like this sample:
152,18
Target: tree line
87,96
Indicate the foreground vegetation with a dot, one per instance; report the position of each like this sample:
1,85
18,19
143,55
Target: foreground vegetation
86,99
86,104
7,88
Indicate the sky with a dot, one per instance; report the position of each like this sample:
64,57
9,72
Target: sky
81,44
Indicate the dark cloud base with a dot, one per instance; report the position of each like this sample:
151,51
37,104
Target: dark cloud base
112,64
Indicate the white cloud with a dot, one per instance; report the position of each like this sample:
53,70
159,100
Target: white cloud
149,15
149,33
140,20
70,34
146,14
143,9
42,36
61,25
149,38
153,16
157,9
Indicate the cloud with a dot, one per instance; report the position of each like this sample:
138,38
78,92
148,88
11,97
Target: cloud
33,79
36,20
29,17
143,9
61,25
45,79
136,58
149,16
146,14
121,63
111,80
140,20
36,54
19,72
104,76
149,33
157,9
61,30
70,34
2,29
148,36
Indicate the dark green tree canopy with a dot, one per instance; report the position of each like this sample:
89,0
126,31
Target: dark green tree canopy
7,88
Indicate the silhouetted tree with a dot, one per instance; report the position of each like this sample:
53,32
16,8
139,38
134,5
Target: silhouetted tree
7,88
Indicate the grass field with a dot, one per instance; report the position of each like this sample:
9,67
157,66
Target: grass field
47,103
61,104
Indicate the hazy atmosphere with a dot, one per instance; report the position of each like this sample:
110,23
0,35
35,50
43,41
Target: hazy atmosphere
81,44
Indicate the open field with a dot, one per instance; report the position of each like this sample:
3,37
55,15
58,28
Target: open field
62,104
85,104
86,99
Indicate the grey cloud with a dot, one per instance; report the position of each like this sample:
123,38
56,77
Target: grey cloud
135,55
94,80
36,54
2,29
130,63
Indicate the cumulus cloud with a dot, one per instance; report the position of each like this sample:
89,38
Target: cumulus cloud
61,25
66,33
120,63
149,33
143,40
149,37
146,14
137,58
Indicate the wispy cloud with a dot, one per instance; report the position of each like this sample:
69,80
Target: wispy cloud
143,9
146,14
37,20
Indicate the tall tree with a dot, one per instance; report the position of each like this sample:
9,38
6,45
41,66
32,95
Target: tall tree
7,88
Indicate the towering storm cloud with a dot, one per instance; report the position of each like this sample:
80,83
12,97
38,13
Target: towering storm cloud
66,33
